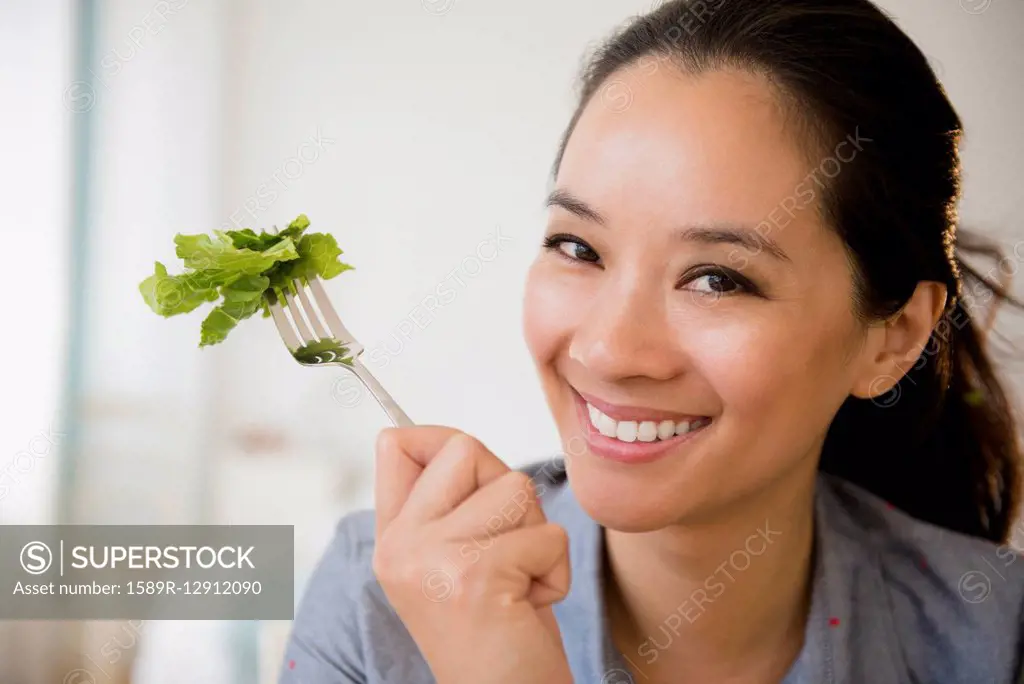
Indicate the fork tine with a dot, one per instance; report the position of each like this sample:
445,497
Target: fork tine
310,310
284,326
296,311
339,331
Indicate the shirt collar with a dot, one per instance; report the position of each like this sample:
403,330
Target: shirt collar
581,615
848,620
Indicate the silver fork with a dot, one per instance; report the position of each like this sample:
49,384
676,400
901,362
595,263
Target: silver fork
320,339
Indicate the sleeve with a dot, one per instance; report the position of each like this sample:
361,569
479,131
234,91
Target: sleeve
326,645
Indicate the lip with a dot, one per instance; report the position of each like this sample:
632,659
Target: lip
637,413
629,452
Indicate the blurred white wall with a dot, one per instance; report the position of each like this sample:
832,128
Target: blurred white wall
35,132
415,131
36,51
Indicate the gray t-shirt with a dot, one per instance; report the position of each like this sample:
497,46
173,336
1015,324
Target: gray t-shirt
894,601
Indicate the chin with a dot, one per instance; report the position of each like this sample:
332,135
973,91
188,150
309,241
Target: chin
631,498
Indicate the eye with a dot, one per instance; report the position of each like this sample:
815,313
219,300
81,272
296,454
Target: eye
715,280
572,248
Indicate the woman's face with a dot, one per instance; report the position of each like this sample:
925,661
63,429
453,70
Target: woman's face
692,318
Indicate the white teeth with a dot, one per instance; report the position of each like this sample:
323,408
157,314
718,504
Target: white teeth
644,431
626,431
605,425
647,431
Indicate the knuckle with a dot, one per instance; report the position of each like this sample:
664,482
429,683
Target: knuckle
559,536
465,445
387,441
522,494
478,585
397,574
490,527
392,562
523,490
385,561
520,481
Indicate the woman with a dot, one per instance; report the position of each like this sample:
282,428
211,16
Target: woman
787,456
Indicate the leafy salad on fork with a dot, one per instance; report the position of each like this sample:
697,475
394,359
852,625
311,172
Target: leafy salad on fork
270,272
246,271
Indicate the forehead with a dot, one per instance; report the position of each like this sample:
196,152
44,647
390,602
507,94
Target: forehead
659,145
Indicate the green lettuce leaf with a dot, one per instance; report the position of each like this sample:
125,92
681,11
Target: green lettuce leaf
318,256
203,253
168,295
242,298
247,239
239,267
296,228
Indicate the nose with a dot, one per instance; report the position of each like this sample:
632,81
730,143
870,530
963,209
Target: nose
626,334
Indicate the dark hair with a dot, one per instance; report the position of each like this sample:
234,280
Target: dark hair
942,444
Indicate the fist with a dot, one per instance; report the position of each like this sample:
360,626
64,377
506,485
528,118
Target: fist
467,558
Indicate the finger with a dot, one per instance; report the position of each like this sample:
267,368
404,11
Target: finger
462,466
540,555
401,456
507,503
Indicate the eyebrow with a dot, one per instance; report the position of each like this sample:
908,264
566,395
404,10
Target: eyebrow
733,234
574,205
711,234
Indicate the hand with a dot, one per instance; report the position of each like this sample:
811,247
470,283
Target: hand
468,560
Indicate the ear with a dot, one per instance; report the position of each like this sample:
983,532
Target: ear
895,345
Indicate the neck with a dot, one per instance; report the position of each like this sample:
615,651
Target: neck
718,599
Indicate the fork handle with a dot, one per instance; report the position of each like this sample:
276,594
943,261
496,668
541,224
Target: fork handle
395,413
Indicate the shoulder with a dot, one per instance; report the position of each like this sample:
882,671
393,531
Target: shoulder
956,601
341,611
345,629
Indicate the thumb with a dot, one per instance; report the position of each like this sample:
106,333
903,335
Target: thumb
541,554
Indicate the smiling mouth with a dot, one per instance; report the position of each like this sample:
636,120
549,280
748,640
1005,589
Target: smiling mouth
634,435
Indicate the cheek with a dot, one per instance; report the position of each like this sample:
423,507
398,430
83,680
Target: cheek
550,310
767,367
